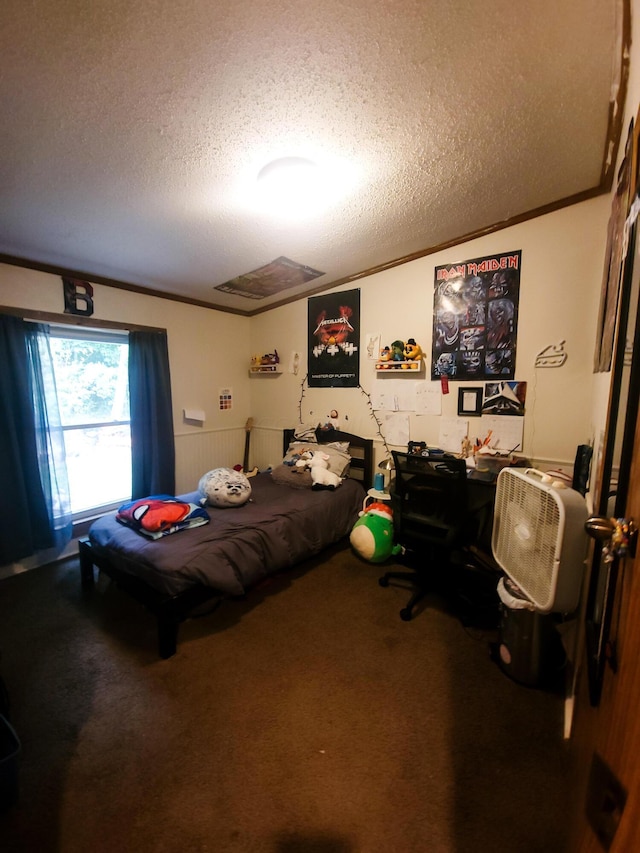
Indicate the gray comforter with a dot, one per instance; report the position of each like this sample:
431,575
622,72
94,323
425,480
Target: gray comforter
277,529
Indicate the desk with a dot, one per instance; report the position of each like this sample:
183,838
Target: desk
481,494
481,497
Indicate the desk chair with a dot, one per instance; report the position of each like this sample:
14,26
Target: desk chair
430,516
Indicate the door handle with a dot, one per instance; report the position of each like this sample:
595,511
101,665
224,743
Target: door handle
617,535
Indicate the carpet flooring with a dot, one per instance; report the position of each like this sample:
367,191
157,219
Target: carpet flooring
305,718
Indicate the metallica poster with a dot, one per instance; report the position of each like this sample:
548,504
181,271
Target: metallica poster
475,318
334,340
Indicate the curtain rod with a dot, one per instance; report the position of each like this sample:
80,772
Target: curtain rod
75,320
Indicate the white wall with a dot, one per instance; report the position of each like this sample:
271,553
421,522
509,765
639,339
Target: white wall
562,262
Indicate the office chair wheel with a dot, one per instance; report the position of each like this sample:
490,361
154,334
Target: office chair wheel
383,581
406,614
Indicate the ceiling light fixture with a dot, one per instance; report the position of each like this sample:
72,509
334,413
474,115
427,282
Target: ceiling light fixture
291,187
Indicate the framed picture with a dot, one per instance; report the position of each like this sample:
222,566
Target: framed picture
614,262
470,402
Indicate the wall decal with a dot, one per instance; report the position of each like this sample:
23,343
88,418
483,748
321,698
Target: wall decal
78,297
552,356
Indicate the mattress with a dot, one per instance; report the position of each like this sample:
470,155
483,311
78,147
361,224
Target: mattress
277,529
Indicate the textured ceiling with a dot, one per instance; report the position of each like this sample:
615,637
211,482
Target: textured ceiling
132,133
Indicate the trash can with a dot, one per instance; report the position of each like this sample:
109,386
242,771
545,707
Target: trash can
526,637
9,750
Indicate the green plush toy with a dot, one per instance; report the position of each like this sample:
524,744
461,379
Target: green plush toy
372,535
397,351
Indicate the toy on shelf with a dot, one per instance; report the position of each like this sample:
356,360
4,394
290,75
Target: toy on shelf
268,363
397,351
412,350
400,356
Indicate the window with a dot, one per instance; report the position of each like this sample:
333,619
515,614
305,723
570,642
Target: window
91,371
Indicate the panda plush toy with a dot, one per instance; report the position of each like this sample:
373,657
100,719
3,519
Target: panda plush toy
225,487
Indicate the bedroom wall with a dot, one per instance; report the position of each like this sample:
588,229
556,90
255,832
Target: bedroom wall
562,262
207,351
601,385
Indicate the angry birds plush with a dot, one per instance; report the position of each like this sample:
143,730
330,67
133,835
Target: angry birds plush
224,487
397,351
372,535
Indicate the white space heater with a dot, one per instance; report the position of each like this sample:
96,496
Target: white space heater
539,539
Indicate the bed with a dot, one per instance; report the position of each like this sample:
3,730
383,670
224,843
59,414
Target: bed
285,522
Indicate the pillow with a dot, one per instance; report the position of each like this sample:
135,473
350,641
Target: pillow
224,487
288,475
338,459
339,445
161,515
298,447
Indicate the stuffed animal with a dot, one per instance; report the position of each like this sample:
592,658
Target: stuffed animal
224,487
412,350
321,477
372,535
397,351
303,460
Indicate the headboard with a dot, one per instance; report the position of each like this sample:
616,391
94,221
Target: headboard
360,450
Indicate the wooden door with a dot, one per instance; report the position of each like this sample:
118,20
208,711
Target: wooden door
607,738
606,728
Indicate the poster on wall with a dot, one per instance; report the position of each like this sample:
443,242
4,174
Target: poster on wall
334,340
475,318
504,398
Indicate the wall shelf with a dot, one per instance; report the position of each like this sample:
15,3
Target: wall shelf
265,370
409,366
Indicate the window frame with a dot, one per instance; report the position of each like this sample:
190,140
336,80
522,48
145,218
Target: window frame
71,321
89,333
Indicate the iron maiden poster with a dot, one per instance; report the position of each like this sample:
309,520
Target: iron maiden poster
334,340
475,318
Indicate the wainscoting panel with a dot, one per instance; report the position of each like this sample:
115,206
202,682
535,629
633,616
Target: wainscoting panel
266,448
199,452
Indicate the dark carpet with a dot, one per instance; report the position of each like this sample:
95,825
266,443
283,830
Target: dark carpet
306,718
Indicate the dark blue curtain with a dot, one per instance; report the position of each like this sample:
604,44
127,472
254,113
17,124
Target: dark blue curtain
152,444
34,498
52,458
